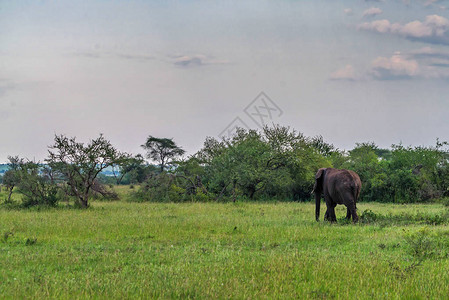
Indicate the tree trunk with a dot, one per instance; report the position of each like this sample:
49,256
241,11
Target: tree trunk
84,200
252,191
84,203
10,193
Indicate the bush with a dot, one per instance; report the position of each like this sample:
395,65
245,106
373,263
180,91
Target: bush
159,188
420,244
445,201
36,186
165,187
368,216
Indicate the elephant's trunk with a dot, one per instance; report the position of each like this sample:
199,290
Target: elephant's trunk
317,205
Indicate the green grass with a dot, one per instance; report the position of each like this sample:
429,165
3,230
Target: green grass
211,250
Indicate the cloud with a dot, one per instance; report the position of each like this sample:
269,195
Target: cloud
180,60
348,11
135,56
190,61
99,54
395,67
441,65
430,2
345,73
196,60
427,3
429,53
379,26
435,62
371,12
434,29
424,63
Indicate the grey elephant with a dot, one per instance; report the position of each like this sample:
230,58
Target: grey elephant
338,187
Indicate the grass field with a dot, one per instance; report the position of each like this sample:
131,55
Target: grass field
212,250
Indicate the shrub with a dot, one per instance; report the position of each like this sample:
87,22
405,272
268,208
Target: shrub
165,187
420,244
36,185
445,201
368,216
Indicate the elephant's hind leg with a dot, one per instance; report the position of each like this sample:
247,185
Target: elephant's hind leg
353,210
332,217
348,213
330,212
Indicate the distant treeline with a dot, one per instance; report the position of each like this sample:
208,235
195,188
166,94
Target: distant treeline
3,168
275,163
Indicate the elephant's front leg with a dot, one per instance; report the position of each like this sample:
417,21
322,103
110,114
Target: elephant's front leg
348,213
326,215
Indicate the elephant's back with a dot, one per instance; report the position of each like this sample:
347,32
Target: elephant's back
352,180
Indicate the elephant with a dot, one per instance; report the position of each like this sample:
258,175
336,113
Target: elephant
338,187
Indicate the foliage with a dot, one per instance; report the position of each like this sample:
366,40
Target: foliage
402,174
33,181
79,165
275,163
131,169
10,180
166,187
162,150
37,185
280,163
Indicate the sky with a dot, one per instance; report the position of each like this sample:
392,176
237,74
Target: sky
351,71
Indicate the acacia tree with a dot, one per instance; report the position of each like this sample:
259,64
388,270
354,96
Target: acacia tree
79,164
162,150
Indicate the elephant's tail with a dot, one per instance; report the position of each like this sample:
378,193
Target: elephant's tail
355,192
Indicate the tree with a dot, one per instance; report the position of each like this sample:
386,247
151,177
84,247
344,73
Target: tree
162,150
11,177
33,181
364,159
322,147
276,162
79,164
126,165
36,184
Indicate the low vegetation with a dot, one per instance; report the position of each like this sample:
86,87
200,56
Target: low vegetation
223,250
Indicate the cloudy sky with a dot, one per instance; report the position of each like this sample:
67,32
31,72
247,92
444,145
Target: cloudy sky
352,71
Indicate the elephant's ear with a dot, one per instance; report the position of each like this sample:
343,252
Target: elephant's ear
319,173
317,187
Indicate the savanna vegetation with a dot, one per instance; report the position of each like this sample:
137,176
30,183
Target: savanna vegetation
233,220
223,250
275,163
